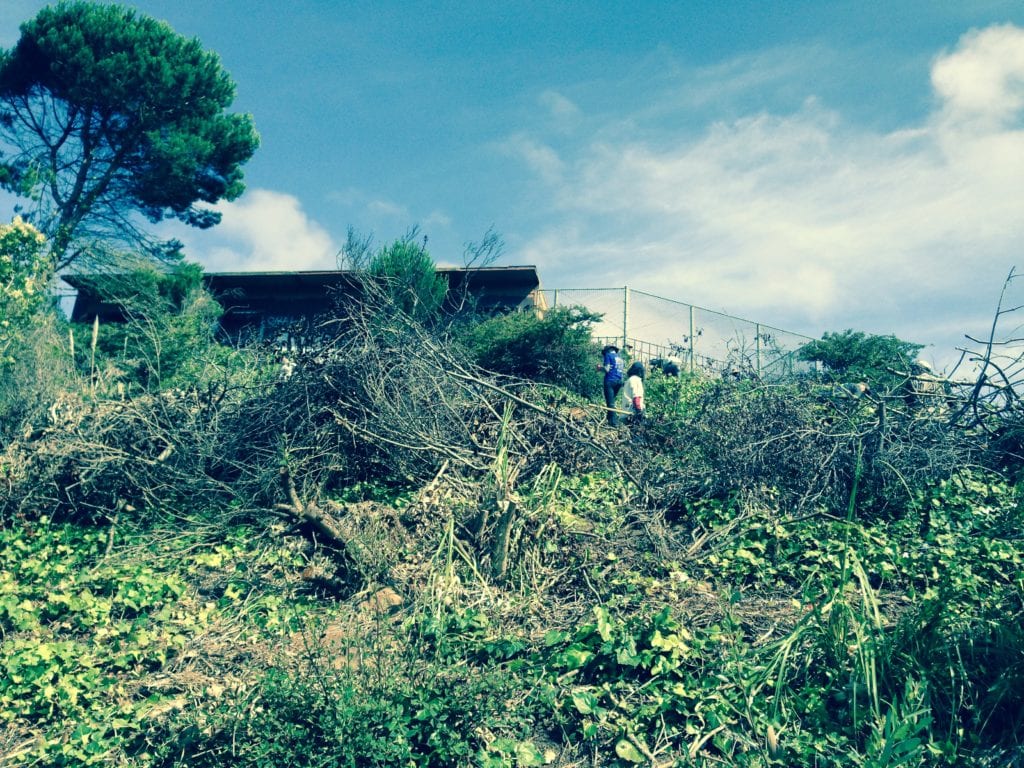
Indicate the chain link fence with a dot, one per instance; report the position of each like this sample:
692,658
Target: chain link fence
703,340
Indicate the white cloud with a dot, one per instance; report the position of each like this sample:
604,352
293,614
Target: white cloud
387,209
804,220
540,158
984,77
438,219
263,230
562,111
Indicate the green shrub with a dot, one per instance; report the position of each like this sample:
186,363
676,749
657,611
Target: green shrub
857,356
298,718
964,636
25,272
555,348
38,373
33,367
168,337
409,278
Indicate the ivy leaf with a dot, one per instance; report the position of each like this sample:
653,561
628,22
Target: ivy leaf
585,703
626,751
576,657
528,755
604,624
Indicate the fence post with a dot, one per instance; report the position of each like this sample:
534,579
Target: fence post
757,346
625,317
691,339
554,299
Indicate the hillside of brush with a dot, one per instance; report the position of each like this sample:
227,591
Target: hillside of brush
392,557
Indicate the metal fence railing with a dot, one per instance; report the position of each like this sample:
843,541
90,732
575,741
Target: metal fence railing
652,326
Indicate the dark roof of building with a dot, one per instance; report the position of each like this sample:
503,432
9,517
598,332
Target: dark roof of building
308,293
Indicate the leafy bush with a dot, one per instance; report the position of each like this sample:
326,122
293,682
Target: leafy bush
404,706
40,372
168,338
555,348
33,366
630,682
857,356
410,278
25,272
964,635
298,718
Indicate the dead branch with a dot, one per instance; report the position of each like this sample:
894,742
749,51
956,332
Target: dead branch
309,513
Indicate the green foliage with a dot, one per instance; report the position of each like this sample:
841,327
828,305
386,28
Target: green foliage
862,677
168,338
857,356
25,272
410,278
671,398
963,637
595,500
410,708
73,625
38,372
928,678
298,718
555,348
104,113
87,633
33,366
888,647
627,682
747,630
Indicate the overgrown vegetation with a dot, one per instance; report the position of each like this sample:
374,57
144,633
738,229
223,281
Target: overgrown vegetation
208,561
419,544
28,329
25,273
167,341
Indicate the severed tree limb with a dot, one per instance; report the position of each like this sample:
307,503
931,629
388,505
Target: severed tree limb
325,525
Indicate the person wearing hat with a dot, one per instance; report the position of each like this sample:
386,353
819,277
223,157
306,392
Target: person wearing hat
613,367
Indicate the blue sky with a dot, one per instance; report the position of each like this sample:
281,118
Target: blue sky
812,165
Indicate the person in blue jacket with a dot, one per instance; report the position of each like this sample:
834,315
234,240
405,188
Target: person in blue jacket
613,368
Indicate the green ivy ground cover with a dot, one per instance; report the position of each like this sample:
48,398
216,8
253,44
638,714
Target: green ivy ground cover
890,647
